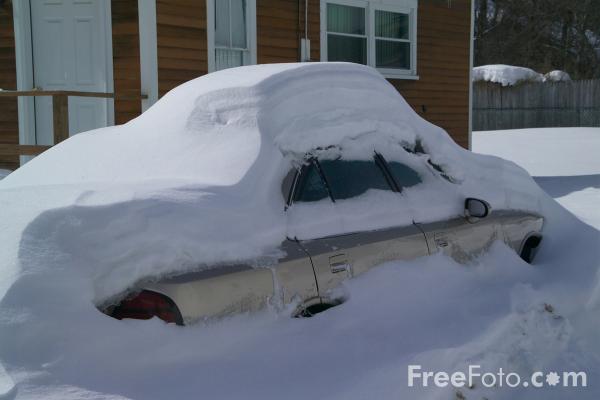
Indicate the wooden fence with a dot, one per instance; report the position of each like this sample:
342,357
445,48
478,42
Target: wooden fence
536,105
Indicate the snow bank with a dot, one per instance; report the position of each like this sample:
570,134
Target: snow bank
506,75
544,151
430,312
4,173
563,161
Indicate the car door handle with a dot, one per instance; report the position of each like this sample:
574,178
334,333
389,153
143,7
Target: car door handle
339,263
340,267
440,239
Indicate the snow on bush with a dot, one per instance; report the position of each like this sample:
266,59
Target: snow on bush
510,75
506,75
557,76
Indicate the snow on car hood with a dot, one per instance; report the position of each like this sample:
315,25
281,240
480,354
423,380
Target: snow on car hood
195,181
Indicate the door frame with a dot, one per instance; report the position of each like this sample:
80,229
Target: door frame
24,67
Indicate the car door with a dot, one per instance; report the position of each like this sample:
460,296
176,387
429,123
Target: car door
294,277
340,257
351,251
460,238
242,288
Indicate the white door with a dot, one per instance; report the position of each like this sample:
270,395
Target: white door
70,52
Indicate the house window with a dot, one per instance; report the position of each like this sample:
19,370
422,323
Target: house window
346,33
232,33
373,33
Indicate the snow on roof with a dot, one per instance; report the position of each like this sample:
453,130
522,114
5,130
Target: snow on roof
506,75
196,180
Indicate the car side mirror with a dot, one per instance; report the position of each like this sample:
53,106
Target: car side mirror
476,208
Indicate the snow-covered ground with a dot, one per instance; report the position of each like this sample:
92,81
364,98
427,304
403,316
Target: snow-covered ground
497,312
431,312
4,172
565,162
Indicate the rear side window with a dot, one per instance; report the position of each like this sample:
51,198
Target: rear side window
348,179
404,176
310,185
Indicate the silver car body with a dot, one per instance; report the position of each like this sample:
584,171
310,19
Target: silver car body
311,271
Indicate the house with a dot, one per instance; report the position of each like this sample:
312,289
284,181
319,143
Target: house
125,54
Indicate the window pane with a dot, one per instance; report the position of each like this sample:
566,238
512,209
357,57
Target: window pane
344,48
351,178
392,54
222,23
345,19
226,58
310,187
404,175
391,25
238,23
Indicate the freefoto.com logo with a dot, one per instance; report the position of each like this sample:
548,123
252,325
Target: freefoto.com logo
418,377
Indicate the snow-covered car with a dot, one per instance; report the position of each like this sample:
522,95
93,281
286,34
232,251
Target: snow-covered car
343,171
255,186
309,271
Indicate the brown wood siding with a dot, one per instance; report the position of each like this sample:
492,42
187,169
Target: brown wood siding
441,95
280,26
182,43
9,120
126,58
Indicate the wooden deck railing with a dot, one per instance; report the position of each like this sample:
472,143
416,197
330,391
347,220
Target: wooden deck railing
60,115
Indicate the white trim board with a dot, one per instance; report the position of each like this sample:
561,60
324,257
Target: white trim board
110,80
210,34
148,52
24,66
471,52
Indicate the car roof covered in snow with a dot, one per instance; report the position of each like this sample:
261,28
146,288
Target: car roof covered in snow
211,129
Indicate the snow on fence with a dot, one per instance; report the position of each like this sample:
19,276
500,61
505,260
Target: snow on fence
536,105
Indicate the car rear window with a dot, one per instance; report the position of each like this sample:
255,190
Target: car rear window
349,179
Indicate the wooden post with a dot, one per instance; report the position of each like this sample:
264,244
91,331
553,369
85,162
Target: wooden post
60,110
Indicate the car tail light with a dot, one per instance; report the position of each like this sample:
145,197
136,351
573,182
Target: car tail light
146,305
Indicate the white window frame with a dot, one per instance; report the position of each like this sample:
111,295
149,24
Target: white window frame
250,32
148,52
402,6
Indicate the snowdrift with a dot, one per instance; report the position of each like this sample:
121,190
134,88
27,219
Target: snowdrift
195,181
